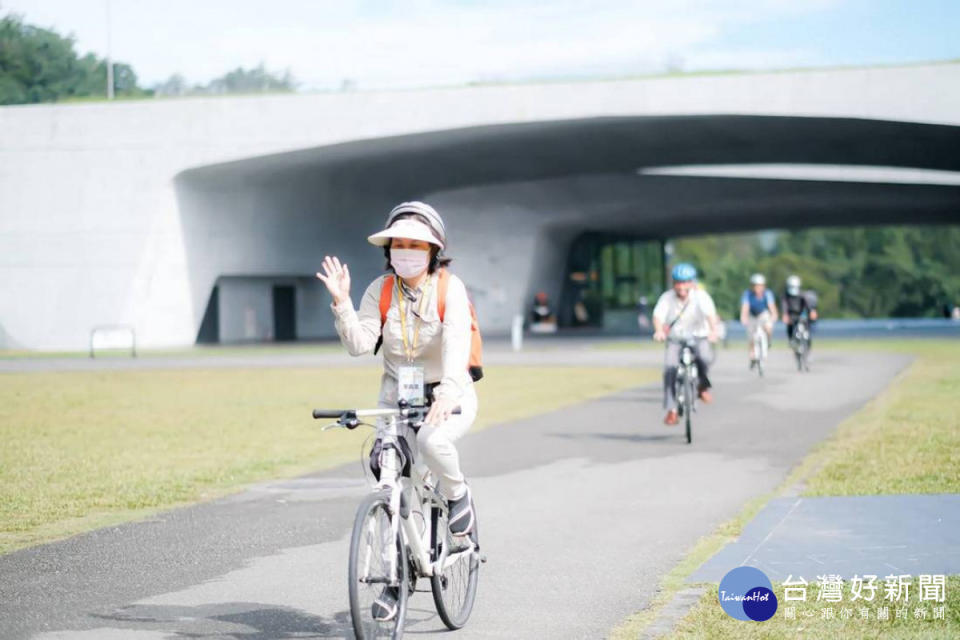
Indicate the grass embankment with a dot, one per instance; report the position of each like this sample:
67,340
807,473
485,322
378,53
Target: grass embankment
83,450
906,440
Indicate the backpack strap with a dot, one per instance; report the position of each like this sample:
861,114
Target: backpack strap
386,296
443,280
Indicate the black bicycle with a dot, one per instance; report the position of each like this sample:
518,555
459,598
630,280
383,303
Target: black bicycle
686,384
800,343
401,531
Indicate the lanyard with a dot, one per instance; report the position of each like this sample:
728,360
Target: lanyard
408,350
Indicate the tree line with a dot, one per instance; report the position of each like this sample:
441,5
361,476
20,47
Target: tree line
857,272
40,65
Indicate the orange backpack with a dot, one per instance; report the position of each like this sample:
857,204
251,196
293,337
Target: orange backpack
475,365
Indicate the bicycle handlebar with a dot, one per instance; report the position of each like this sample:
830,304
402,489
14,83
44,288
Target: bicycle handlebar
328,413
370,413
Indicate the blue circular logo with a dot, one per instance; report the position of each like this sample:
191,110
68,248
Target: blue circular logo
746,593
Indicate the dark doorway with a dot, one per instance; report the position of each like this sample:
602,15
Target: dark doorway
210,325
610,277
284,313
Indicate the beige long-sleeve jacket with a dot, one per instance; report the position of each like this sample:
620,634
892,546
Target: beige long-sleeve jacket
443,348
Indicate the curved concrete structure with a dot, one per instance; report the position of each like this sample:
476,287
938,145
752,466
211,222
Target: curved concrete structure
131,213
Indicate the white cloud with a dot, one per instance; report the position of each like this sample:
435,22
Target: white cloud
424,42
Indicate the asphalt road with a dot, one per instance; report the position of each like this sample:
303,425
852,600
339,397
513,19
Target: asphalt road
582,512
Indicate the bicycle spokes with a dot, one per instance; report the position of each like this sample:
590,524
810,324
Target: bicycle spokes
377,563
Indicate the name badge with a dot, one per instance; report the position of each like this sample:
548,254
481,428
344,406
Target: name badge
410,385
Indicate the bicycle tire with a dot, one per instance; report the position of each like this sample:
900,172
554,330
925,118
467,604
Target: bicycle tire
688,401
678,391
364,626
758,351
441,585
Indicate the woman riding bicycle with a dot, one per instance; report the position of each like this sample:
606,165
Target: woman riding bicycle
758,308
423,356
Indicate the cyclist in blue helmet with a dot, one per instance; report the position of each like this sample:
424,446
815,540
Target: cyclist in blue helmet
685,310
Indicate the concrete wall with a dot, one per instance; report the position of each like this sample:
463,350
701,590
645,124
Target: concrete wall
96,229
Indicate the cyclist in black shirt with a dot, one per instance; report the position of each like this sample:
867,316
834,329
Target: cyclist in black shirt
795,303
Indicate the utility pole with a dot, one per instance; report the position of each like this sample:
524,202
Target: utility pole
109,56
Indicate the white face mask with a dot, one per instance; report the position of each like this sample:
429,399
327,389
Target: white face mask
409,263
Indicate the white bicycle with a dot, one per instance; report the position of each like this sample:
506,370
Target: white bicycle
400,532
760,348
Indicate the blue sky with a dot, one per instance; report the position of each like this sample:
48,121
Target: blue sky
862,32
380,44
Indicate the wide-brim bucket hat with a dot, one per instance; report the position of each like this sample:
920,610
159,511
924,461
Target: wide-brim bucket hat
433,232
406,228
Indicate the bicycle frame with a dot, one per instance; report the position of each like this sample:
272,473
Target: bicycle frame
424,497
801,332
760,342
688,362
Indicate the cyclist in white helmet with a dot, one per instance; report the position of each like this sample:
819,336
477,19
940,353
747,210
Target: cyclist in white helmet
796,303
758,305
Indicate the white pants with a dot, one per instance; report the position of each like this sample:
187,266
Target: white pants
434,446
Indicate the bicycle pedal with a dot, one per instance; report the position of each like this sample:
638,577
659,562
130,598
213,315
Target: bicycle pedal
483,558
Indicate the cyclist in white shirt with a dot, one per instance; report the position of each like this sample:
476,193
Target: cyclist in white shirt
685,310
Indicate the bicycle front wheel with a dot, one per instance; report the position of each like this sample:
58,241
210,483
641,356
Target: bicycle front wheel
455,590
688,401
378,561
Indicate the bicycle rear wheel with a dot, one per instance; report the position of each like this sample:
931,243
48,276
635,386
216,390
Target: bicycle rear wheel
455,590
761,355
373,546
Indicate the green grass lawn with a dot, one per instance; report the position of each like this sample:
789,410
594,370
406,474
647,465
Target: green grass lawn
88,449
193,351
906,440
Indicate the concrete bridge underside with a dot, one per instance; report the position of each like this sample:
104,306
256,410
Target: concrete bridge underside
515,197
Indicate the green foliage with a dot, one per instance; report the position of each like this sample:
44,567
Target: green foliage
39,65
240,80
255,80
910,271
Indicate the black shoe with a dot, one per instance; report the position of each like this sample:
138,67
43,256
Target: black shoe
461,515
384,607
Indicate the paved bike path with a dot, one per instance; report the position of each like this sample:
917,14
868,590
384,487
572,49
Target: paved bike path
582,511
